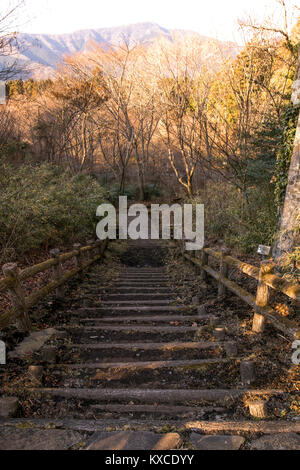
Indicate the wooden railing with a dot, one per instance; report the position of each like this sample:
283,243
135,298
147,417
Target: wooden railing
266,280
13,278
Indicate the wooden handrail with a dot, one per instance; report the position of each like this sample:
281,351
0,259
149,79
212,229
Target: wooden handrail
266,278
271,280
286,325
28,302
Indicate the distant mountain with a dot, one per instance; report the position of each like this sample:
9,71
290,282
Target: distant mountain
41,53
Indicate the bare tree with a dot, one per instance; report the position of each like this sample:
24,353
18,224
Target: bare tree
9,45
183,97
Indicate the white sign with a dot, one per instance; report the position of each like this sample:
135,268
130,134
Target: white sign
2,353
296,354
263,250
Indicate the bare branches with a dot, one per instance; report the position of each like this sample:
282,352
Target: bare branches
280,28
8,41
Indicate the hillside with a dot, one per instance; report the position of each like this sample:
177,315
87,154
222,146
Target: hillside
41,53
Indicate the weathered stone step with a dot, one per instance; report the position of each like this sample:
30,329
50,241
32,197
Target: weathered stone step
127,303
157,396
145,365
145,319
129,289
135,328
143,271
87,425
137,309
173,346
134,311
141,283
139,296
137,277
158,409
144,290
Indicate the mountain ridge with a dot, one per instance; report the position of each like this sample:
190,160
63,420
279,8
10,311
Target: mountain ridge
41,53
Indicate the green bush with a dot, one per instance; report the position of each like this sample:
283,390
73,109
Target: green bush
44,206
240,224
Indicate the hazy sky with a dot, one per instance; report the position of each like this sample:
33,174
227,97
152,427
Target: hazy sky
210,17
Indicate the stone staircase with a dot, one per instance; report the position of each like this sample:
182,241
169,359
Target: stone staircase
138,357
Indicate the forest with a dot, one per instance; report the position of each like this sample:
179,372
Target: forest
124,325
156,124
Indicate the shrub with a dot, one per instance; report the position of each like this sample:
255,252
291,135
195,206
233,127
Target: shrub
44,206
237,223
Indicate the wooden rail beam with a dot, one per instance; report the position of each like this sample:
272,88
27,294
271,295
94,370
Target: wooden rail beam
12,281
289,327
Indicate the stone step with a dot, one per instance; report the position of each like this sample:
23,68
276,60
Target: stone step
137,277
156,396
144,271
136,302
173,346
133,310
64,439
134,328
145,365
137,309
158,409
141,283
139,297
154,319
143,290
272,427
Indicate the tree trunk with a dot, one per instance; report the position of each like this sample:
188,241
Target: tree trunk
122,181
287,237
141,176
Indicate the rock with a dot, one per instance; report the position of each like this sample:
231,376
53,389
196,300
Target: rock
130,440
282,441
32,343
8,407
219,442
37,439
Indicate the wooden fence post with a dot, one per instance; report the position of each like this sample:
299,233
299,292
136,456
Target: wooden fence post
204,262
262,295
11,273
224,268
78,256
57,272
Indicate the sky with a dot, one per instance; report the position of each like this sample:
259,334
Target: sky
216,18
